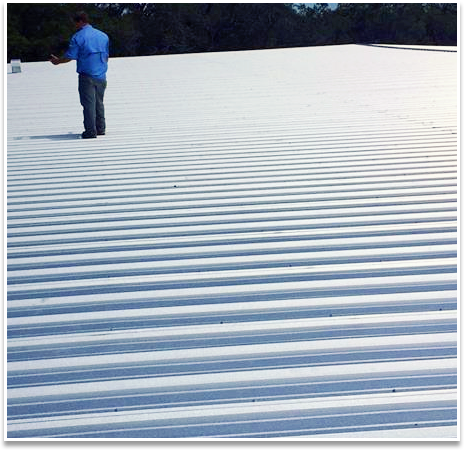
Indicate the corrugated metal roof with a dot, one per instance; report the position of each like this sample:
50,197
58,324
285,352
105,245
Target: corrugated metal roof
262,246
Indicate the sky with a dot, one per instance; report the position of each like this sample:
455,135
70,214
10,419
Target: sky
331,5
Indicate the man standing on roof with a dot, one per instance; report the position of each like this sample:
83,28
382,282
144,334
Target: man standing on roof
90,48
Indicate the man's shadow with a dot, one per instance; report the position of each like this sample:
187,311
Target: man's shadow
53,137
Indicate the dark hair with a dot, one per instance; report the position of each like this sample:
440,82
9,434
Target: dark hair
81,16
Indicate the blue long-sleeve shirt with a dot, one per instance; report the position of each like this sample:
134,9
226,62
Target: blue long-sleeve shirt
90,48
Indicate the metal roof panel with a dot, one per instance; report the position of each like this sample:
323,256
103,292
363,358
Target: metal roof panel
262,246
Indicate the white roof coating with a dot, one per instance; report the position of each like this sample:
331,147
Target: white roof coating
262,246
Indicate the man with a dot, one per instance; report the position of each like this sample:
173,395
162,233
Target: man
90,48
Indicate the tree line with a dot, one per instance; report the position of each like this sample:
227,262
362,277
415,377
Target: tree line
35,30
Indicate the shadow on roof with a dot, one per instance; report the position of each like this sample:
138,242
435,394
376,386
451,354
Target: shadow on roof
54,137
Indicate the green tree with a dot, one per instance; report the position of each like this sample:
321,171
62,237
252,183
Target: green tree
34,30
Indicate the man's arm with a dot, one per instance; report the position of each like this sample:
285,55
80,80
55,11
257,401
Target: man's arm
56,60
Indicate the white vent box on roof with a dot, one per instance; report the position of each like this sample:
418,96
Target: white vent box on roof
15,65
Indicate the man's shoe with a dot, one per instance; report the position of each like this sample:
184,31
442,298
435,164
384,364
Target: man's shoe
87,135
101,133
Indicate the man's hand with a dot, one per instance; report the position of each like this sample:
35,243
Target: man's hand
54,60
